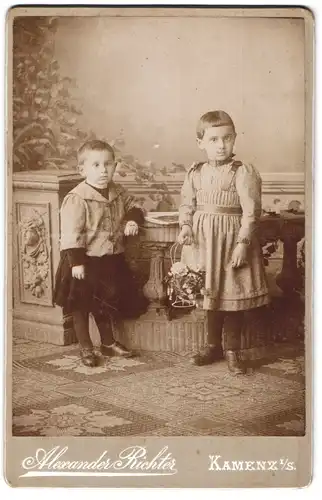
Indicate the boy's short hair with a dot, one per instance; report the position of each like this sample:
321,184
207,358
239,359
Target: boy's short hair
213,119
93,145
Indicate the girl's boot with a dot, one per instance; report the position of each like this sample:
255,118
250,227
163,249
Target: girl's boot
208,355
233,331
212,352
235,363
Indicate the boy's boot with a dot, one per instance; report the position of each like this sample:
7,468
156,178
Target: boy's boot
109,346
87,354
88,357
115,349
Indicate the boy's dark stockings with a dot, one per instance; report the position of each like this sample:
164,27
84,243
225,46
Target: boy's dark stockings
105,330
81,326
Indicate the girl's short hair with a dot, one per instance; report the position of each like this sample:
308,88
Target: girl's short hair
213,119
93,145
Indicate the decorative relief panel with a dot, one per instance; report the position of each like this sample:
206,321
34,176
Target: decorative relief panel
34,253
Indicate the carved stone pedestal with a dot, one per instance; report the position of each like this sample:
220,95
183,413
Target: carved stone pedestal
37,197
154,288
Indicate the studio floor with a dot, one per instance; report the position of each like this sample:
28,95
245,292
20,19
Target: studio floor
154,394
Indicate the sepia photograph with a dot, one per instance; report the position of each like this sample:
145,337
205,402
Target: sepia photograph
159,169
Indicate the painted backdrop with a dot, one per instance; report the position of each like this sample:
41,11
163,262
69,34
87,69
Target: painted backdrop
142,83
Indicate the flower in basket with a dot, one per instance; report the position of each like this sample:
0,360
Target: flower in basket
184,285
179,268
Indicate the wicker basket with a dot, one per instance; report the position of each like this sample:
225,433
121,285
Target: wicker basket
183,288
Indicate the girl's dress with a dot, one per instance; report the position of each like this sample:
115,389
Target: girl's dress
222,204
92,228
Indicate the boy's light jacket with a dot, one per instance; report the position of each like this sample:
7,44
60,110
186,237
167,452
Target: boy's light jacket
91,222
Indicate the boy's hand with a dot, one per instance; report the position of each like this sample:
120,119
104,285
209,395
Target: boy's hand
239,257
185,236
131,228
78,272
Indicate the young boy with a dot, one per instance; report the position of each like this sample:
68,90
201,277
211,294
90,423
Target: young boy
93,276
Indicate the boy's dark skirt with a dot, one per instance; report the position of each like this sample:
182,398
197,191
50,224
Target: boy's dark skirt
109,288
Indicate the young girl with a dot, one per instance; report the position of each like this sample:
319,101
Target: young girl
221,203
92,275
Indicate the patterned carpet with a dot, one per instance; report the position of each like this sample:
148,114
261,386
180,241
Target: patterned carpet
154,394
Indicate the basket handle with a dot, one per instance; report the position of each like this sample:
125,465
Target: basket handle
173,252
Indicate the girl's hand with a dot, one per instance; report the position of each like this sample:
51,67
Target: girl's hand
78,272
131,228
239,257
185,236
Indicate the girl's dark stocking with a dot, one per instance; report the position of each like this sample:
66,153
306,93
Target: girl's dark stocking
233,329
215,327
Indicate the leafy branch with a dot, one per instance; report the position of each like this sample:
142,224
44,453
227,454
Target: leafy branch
45,133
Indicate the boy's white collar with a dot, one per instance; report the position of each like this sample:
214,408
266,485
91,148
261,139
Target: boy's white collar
88,192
